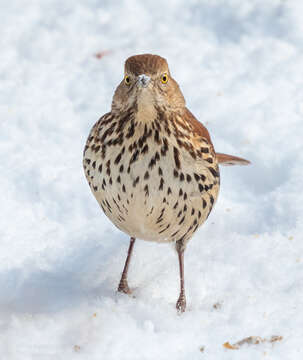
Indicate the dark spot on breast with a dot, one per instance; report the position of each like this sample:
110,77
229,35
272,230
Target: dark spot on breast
135,182
108,204
168,191
161,184
97,148
180,192
95,188
108,168
197,177
118,158
131,130
160,217
160,172
211,199
199,214
85,148
94,164
168,225
123,188
188,178
157,137
103,151
175,233
146,175
176,157
203,177
176,204
146,190
134,157
117,205
100,168
121,168
213,171
201,187
182,177
176,174
181,221
185,196
204,203
87,161
145,149
185,208
192,211
164,148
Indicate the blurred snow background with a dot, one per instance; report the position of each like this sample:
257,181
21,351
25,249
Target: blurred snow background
239,64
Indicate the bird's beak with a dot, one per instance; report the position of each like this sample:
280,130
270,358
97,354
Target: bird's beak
143,80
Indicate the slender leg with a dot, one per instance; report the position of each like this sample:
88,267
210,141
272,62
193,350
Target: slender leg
123,285
181,302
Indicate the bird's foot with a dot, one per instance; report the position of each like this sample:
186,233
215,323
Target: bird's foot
123,287
181,303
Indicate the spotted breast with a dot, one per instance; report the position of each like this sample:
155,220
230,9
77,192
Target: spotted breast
156,179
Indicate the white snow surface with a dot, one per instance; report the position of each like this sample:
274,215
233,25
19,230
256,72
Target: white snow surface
239,65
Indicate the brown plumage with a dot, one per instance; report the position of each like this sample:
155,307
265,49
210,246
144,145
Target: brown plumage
151,164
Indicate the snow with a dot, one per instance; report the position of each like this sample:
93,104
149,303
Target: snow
239,64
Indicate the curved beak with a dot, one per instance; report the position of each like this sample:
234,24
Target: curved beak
143,80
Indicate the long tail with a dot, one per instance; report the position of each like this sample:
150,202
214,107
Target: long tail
225,159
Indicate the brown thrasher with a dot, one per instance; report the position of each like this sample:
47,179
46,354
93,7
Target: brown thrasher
151,164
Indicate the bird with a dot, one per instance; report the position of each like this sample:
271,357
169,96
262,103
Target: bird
151,165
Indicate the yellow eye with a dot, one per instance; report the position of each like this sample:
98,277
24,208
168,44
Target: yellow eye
127,79
164,78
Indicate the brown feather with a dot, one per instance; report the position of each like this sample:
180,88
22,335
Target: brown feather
146,64
225,159
198,127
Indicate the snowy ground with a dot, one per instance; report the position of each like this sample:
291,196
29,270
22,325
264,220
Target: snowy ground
239,64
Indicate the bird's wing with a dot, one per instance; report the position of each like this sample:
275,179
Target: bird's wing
225,159
200,129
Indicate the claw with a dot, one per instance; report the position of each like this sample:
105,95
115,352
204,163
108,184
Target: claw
181,304
123,287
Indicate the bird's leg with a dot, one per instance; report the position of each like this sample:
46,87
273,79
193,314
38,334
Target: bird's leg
181,302
123,285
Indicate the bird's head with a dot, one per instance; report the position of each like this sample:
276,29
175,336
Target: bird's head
147,83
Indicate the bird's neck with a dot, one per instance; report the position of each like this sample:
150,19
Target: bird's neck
146,110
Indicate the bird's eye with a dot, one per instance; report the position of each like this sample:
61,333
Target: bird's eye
164,78
127,79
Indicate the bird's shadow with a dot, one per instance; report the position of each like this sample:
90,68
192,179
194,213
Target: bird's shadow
76,278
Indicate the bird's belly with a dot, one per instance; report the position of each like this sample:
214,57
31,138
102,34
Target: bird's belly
147,197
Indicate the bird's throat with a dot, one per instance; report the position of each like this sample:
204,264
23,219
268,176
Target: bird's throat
146,110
